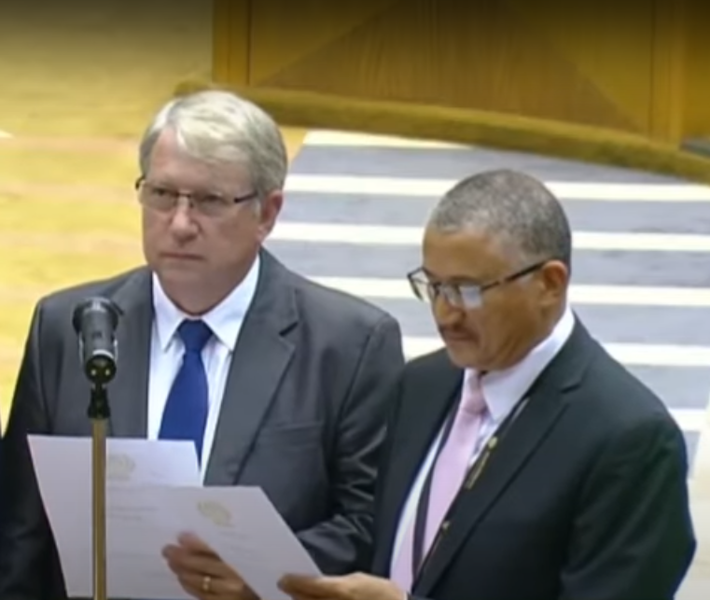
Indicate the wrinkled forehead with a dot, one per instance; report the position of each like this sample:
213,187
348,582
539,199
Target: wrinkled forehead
466,254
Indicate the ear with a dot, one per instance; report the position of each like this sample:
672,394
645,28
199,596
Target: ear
554,279
268,213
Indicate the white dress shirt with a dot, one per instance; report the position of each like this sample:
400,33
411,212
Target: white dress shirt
501,390
225,320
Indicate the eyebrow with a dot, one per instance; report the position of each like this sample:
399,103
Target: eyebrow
454,278
203,191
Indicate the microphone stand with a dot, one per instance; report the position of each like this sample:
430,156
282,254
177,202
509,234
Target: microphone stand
95,321
99,413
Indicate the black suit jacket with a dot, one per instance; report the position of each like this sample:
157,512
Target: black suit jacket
303,414
585,498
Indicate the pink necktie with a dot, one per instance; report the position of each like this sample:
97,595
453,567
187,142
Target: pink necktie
449,471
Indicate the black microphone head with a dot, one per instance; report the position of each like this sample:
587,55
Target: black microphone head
96,305
95,321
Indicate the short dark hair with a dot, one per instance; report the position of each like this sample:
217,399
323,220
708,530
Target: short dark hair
512,205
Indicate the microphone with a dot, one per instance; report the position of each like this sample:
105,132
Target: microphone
95,321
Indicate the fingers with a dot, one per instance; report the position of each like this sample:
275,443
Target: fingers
218,589
202,573
192,543
197,592
193,555
299,586
181,561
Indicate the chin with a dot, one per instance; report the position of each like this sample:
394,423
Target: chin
180,269
180,281
465,358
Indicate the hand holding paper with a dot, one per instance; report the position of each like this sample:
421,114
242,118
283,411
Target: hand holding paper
239,541
357,586
242,527
202,573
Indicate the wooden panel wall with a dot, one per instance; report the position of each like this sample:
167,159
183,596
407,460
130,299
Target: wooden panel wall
667,86
610,63
231,41
696,77
606,45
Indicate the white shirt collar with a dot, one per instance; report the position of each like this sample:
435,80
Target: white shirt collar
503,389
224,320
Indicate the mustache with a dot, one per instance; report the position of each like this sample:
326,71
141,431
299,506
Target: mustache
454,332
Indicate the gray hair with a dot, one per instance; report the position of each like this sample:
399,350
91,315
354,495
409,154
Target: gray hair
219,126
513,207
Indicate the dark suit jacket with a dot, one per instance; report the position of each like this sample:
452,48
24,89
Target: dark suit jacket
303,414
584,499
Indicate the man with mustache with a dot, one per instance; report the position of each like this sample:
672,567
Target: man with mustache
522,461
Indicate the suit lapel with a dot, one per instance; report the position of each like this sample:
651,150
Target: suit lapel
128,392
261,356
548,400
419,421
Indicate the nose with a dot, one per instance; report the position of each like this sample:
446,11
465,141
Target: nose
445,313
182,225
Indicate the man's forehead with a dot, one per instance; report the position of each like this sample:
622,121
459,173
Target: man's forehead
188,171
463,254
463,243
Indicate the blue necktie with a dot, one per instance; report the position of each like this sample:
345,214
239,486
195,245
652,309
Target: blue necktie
185,413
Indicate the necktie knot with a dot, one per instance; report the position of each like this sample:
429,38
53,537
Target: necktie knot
194,334
473,401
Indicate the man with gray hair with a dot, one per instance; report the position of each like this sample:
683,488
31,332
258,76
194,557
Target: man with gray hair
280,383
522,462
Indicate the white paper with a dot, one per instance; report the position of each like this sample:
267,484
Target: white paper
140,523
244,528
154,495
63,469
128,461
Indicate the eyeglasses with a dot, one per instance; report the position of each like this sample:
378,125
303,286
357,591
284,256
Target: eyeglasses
461,295
164,199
